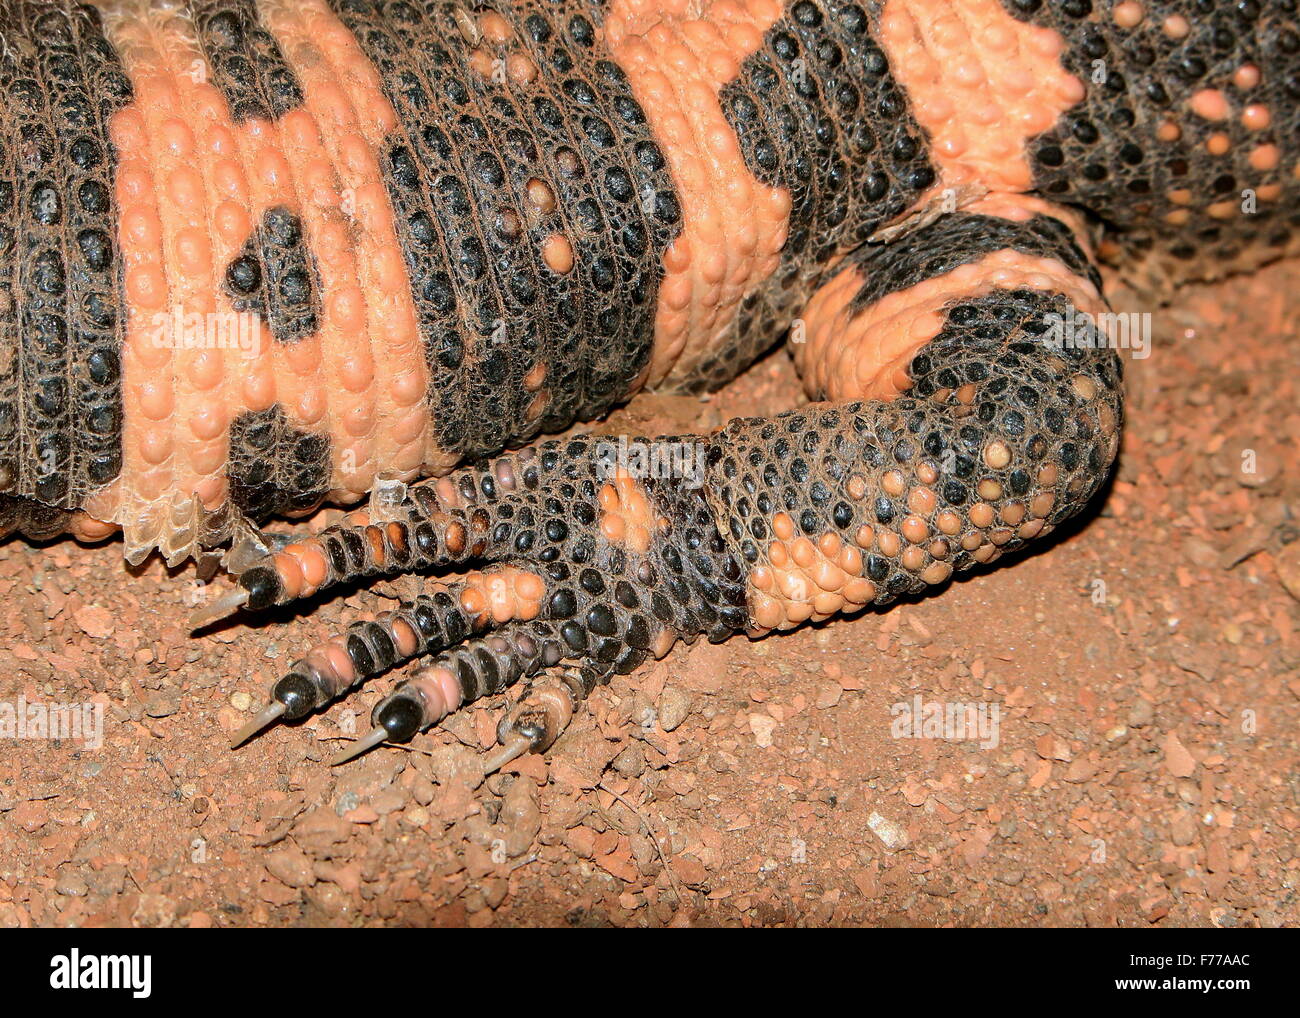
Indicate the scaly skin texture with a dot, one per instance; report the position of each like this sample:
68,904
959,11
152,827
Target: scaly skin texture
440,229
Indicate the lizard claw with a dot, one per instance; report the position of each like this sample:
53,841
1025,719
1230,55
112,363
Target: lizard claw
215,611
355,749
271,714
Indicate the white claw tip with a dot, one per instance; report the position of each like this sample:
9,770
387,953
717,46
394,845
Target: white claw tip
512,750
272,714
218,609
355,749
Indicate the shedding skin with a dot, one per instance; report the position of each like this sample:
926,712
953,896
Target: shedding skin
142,496
342,96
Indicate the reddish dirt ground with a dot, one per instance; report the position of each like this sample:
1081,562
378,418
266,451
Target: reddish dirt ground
1146,667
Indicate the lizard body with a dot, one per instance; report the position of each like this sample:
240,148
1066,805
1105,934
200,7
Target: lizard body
258,255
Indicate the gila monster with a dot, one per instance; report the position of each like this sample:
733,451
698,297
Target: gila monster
260,255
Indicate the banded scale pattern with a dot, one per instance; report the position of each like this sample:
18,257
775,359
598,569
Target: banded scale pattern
61,314
821,115
533,207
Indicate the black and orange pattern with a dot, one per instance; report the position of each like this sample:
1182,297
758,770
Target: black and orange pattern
1185,143
446,227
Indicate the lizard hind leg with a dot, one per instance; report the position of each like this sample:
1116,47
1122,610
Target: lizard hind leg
957,427
973,405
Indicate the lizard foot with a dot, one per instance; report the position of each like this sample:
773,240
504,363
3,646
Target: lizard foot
593,568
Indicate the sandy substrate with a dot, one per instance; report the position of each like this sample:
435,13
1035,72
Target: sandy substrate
1145,670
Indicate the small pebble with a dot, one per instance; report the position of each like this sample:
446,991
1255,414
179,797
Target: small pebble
893,834
674,706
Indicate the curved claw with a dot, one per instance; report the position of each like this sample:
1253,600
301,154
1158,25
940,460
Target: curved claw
216,610
273,712
511,751
363,745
